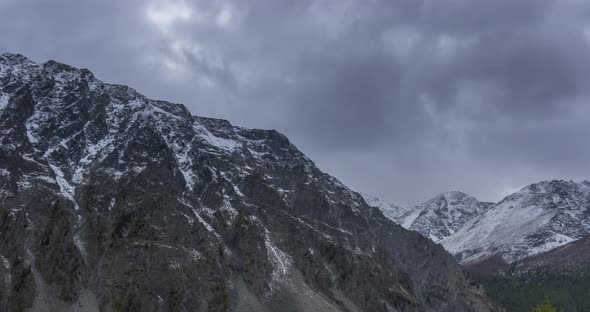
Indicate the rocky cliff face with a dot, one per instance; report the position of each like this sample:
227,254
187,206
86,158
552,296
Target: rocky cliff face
110,201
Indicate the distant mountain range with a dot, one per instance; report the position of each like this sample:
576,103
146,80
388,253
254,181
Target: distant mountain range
532,245
537,218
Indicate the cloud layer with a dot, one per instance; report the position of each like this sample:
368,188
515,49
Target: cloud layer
400,98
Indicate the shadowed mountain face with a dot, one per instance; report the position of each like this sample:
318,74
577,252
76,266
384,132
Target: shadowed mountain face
110,201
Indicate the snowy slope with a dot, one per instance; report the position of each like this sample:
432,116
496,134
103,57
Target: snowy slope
397,214
535,219
438,217
446,213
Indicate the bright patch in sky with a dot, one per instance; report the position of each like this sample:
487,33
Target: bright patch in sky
402,41
164,14
449,45
224,16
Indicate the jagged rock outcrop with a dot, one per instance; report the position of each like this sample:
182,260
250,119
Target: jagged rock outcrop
110,201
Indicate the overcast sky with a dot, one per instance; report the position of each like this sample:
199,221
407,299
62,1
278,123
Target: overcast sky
403,99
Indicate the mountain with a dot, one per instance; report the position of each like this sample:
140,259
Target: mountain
437,218
110,201
537,218
561,275
446,213
570,259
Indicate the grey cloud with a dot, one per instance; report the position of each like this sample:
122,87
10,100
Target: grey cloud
342,101
400,98
465,16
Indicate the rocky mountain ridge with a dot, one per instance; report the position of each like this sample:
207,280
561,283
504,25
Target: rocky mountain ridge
110,201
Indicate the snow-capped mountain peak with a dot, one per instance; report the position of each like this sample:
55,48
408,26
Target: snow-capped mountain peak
446,213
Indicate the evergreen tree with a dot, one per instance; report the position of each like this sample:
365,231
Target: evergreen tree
545,307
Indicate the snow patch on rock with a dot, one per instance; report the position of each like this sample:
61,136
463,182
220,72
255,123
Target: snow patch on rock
4,98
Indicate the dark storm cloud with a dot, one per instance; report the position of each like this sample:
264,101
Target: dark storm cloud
343,101
400,98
